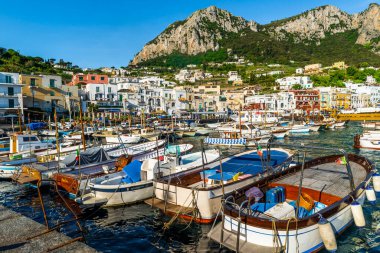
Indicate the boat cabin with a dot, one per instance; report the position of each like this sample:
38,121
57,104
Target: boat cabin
27,142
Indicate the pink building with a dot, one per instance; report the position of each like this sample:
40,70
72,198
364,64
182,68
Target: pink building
89,78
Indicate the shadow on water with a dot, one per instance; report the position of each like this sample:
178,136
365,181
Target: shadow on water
140,228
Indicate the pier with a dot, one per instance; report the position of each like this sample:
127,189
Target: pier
19,233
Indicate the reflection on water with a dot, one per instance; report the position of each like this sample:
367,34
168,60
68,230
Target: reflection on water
140,228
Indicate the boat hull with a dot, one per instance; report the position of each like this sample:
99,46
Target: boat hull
306,239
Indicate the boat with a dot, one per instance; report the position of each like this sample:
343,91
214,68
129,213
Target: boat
24,144
136,149
280,214
9,168
77,136
196,194
189,133
259,117
297,129
135,182
32,173
123,138
202,131
367,141
213,125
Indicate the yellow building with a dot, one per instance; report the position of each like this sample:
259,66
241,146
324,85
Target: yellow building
343,100
339,65
47,92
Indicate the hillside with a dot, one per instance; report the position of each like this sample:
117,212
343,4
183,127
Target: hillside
324,34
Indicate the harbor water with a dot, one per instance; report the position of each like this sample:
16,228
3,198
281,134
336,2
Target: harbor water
139,228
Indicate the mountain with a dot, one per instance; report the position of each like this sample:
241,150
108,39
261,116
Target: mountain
310,36
199,33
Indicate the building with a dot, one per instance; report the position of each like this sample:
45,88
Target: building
299,71
10,94
89,78
47,93
287,83
370,80
343,99
282,101
339,65
313,68
306,100
361,100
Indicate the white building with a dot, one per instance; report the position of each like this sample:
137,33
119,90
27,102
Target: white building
233,76
287,83
371,80
10,92
282,101
101,92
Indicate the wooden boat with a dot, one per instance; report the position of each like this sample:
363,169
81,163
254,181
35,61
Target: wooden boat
203,131
134,183
298,129
34,172
272,223
189,133
196,194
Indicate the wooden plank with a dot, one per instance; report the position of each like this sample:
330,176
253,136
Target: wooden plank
230,239
170,208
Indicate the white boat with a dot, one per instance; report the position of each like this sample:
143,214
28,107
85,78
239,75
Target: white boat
203,131
367,141
135,182
213,125
202,189
299,129
123,138
136,149
77,136
247,130
24,144
264,218
259,117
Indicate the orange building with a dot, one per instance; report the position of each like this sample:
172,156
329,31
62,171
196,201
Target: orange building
89,78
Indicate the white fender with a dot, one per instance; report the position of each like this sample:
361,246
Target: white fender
357,213
370,194
376,182
327,234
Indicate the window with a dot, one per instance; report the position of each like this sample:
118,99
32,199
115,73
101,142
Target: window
69,94
97,89
102,78
81,78
31,138
52,83
10,91
32,82
109,89
11,103
52,93
8,79
92,78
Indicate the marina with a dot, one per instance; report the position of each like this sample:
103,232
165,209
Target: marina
152,222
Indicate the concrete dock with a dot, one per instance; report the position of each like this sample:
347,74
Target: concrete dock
15,229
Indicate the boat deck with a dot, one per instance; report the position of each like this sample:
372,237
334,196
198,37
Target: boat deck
230,240
330,177
170,208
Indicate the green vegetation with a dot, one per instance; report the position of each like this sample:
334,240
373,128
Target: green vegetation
181,60
13,61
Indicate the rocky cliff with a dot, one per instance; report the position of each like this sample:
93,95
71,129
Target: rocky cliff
205,29
199,33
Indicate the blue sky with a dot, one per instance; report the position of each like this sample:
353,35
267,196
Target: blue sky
95,33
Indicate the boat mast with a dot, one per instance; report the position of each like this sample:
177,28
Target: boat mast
56,136
81,122
19,120
240,121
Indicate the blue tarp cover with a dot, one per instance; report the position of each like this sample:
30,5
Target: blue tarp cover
133,171
226,176
36,125
251,163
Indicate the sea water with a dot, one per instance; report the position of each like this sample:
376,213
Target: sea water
139,228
